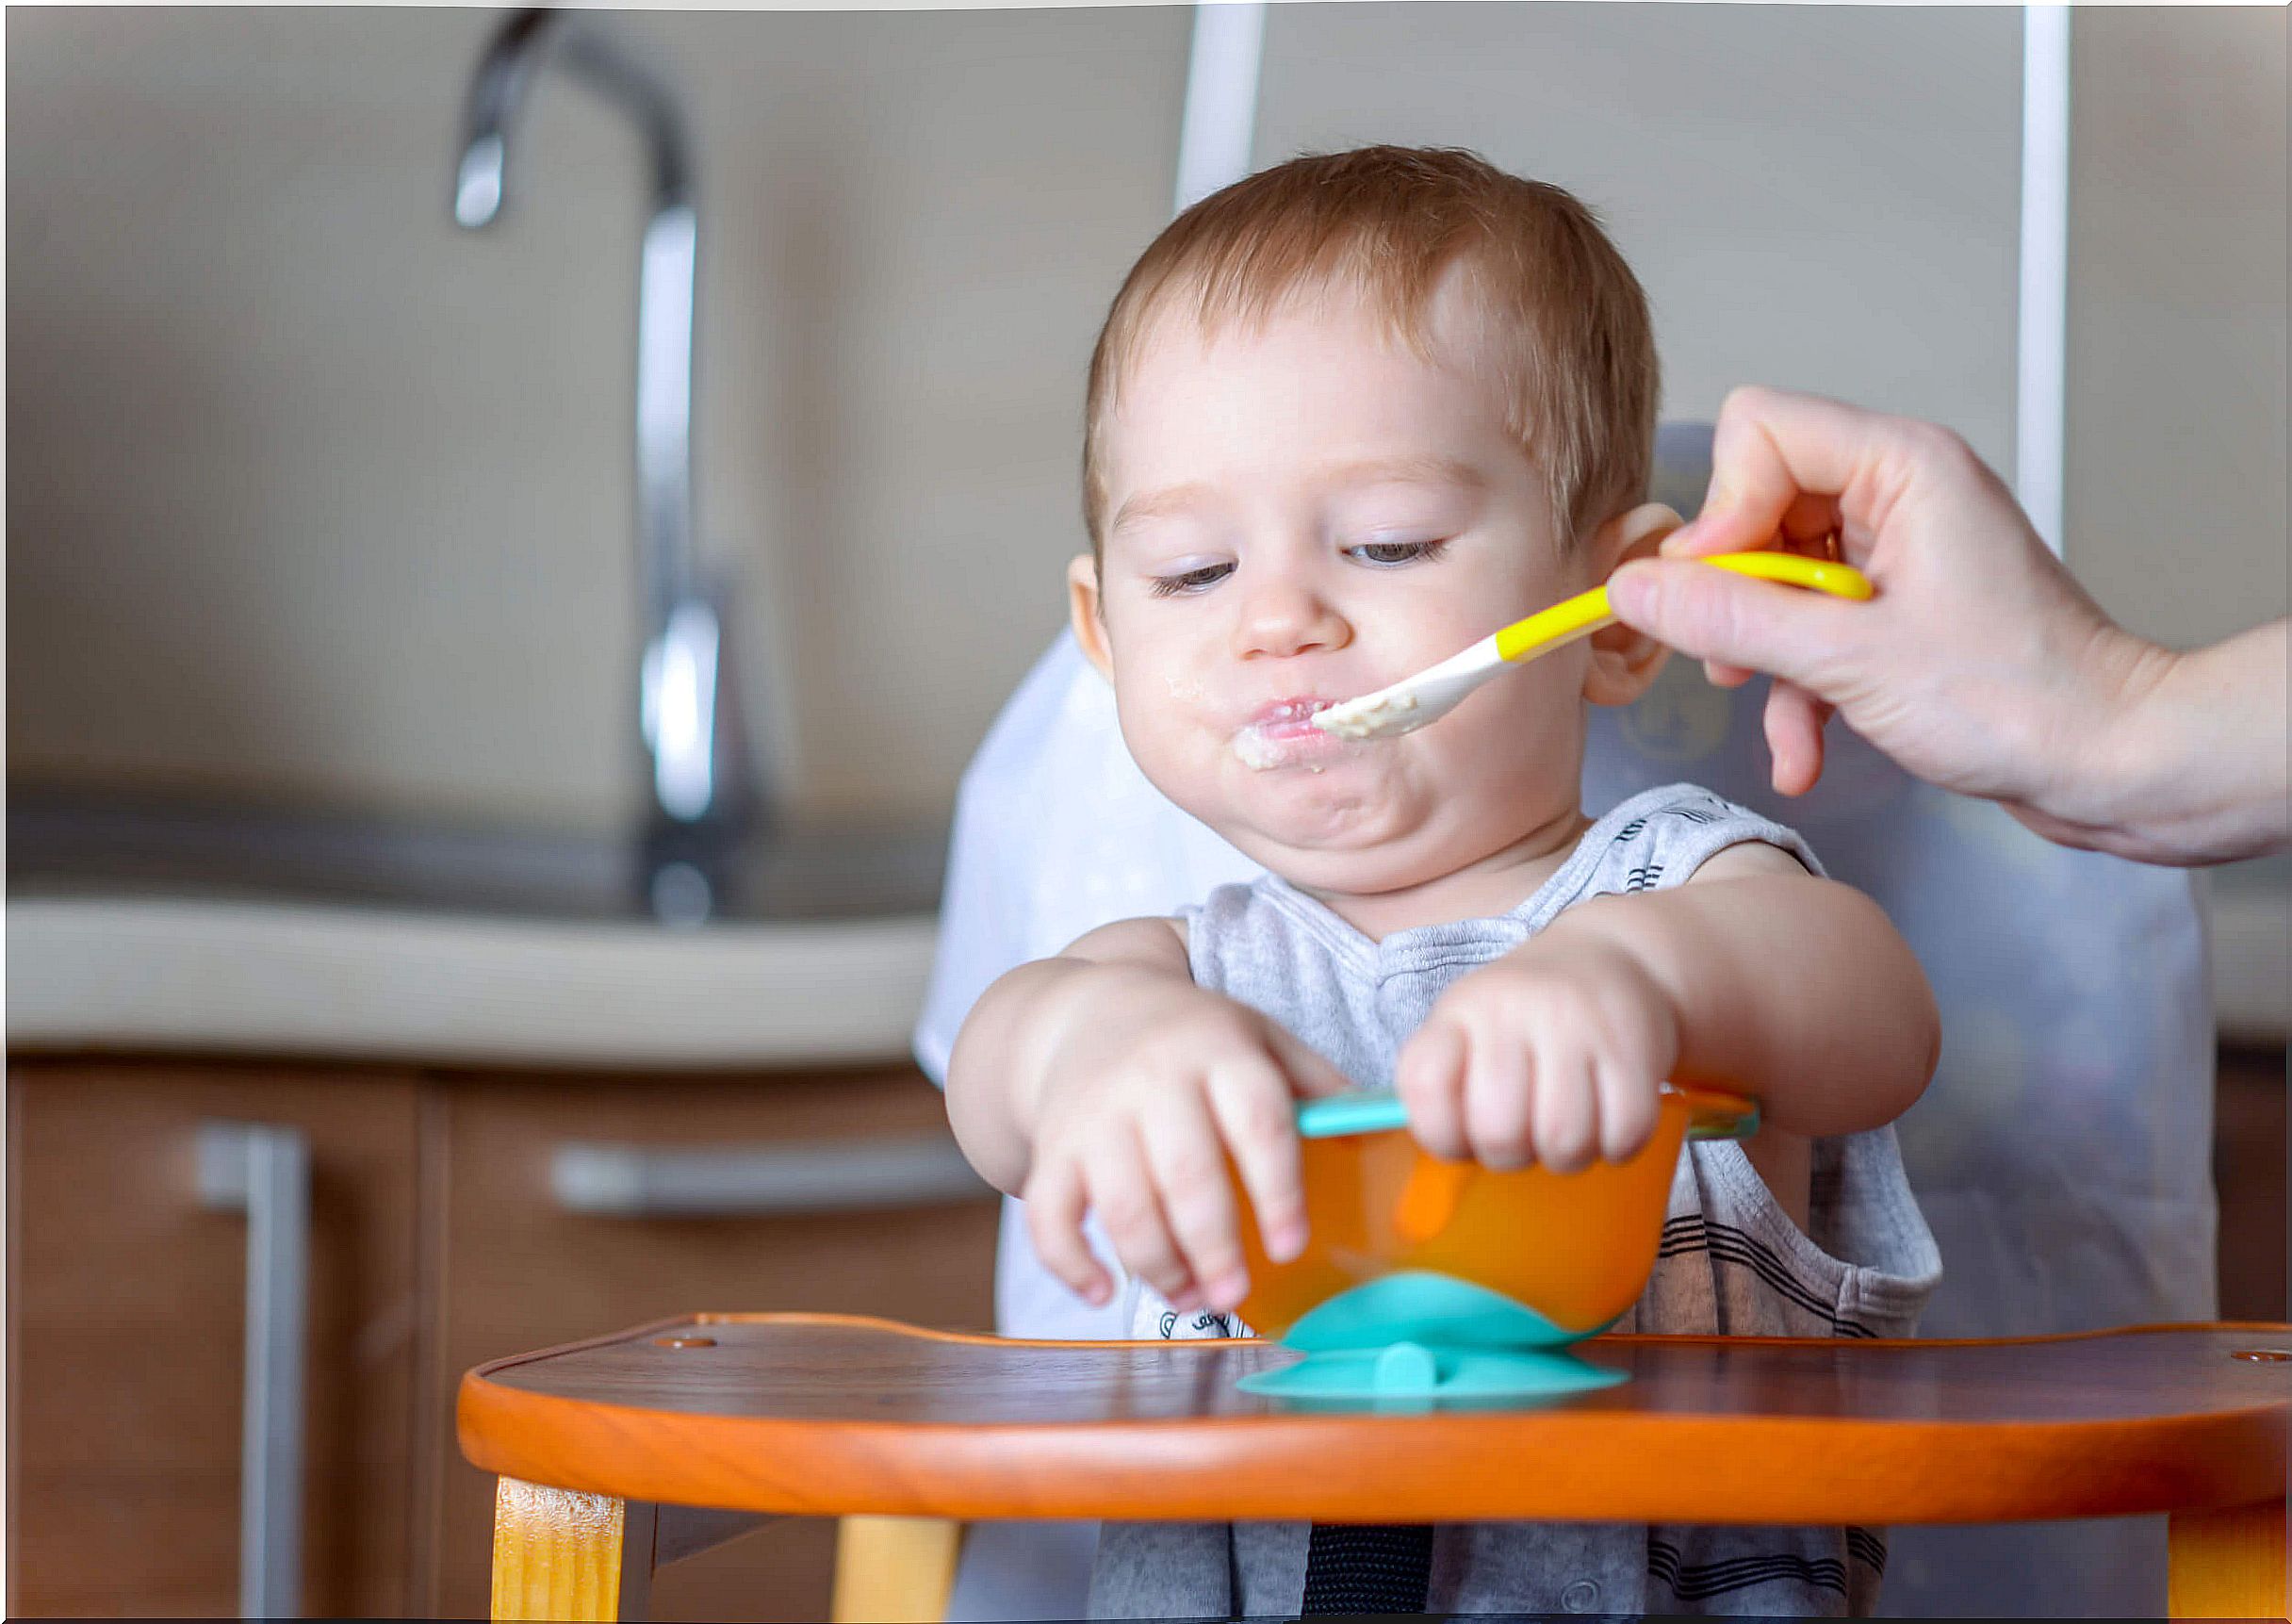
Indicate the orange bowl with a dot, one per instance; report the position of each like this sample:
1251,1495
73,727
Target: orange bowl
1575,1248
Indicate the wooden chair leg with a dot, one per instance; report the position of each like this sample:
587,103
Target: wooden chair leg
2229,1564
894,1569
561,1554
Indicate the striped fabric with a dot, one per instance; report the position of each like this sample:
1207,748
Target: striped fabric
1691,1232
1707,1580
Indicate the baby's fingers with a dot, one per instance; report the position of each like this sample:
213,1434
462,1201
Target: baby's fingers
1627,1090
1501,1078
1430,1079
1055,1201
1186,1161
1566,1111
1312,1076
1255,1114
1122,1189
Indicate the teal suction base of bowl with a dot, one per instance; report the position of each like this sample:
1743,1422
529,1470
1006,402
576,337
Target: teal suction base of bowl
1419,1338
1410,1372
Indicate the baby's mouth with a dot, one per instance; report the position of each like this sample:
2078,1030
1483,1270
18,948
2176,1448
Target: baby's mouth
1282,734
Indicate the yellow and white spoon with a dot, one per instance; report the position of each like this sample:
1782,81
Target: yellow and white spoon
1432,694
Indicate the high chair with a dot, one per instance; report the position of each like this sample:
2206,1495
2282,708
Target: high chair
624,1454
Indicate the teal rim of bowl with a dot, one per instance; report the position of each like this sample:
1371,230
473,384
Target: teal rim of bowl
1379,1111
1369,1112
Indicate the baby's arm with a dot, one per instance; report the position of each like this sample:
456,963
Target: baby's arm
1754,976
1792,988
1104,1079
1000,1060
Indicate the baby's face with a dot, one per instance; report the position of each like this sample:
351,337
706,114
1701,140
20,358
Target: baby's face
1304,514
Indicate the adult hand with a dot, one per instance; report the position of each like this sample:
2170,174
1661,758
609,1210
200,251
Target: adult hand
1980,666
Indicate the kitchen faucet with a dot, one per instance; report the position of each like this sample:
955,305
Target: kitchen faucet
697,805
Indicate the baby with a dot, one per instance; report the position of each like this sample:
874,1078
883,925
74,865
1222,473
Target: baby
1346,416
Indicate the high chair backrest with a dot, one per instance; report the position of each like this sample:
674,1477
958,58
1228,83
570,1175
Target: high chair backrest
2062,1154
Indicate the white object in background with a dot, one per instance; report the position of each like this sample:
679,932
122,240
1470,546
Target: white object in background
1220,98
2041,322
999,911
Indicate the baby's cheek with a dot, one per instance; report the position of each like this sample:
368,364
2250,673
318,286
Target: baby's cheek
1185,689
1177,760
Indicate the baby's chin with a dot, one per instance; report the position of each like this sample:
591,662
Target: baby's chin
1360,826
1313,828
1367,869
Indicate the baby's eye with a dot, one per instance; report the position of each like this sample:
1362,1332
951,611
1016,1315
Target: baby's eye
1386,554
1191,580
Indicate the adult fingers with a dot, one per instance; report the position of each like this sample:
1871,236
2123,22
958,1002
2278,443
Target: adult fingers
1795,721
1771,448
1809,523
1716,615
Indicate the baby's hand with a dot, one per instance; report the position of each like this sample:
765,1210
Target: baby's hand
1145,1099
1541,1056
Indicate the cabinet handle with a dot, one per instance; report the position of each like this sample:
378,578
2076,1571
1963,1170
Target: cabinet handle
263,1171
780,1179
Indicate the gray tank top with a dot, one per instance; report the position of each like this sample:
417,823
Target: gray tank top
1731,1262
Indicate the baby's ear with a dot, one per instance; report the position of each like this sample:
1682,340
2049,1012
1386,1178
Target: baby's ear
1087,614
1624,661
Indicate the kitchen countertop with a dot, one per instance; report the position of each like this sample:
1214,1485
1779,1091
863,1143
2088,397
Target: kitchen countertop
202,975
133,927
196,975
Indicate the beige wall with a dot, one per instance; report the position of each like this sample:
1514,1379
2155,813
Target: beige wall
313,500
2176,476
1823,198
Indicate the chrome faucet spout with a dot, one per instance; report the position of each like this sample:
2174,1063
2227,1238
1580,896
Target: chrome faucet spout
684,724
505,75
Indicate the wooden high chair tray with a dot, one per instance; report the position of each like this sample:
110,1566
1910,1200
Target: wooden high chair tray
829,1415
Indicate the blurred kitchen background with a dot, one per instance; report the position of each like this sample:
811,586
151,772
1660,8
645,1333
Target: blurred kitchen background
323,588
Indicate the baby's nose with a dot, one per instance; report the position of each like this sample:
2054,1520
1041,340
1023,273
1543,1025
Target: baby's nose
1281,618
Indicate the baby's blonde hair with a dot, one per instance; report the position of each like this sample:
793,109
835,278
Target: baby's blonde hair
1565,323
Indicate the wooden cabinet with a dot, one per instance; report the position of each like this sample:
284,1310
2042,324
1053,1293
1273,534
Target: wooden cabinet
444,1230
2249,1171
523,1271
441,1232
126,1313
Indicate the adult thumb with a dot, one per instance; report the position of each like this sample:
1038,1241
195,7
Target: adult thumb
1716,615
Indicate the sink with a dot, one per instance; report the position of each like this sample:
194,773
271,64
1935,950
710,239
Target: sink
61,845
